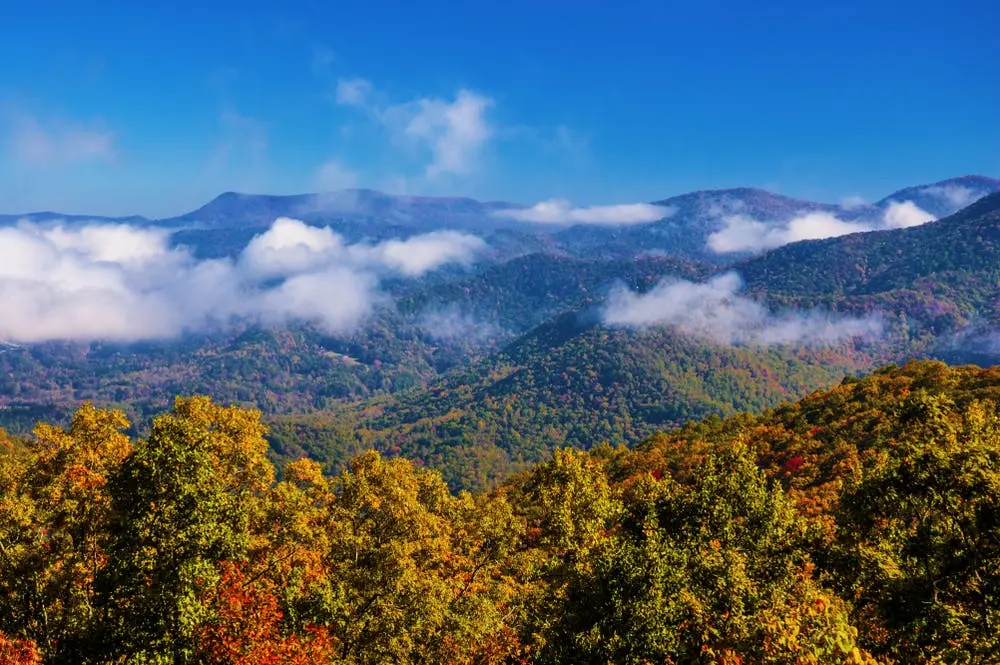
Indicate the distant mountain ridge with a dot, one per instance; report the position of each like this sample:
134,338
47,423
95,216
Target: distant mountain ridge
49,216
225,224
551,368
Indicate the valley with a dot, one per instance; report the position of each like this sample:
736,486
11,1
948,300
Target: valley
483,367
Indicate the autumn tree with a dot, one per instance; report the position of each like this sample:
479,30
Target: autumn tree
55,512
701,573
18,652
245,627
184,501
920,536
395,588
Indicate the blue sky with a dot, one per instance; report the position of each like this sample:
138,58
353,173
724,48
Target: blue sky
154,108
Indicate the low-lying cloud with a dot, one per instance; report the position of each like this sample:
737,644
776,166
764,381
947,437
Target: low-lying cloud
741,233
449,324
714,310
958,196
118,282
559,211
904,214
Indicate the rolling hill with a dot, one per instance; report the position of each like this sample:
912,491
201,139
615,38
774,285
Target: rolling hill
574,381
482,371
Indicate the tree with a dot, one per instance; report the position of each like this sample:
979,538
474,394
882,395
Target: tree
55,510
183,502
402,583
245,628
919,532
18,652
701,573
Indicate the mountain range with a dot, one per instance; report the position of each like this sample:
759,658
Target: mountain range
560,333
682,229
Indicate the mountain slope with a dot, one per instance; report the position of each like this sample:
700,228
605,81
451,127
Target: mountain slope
572,381
963,250
224,225
569,382
693,217
947,196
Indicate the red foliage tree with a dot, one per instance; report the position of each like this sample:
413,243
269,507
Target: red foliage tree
18,652
247,628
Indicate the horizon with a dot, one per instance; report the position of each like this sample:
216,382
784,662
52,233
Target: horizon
845,203
119,116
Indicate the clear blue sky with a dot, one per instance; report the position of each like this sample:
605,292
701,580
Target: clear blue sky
155,107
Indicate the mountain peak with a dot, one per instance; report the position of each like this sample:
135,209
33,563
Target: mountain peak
944,197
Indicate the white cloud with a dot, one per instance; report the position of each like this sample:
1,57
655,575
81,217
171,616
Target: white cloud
454,132
337,298
957,196
713,310
450,324
57,144
353,92
451,133
333,175
853,202
744,234
904,214
558,211
291,247
420,254
741,233
60,284
117,282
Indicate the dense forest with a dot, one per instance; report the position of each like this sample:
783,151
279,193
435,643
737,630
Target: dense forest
857,525
566,384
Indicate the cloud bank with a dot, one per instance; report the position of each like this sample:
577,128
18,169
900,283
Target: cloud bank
558,211
117,282
713,310
741,233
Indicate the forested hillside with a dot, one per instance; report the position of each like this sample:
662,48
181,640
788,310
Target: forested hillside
480,370
858,525
957,258
569,383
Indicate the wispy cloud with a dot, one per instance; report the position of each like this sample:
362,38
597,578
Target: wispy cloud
118,282
853,202
291,246
243,145
417,255
957,196
742,233
333,175
558,211
55,143
451,324
449,134
455,131
745,234
715,311
354,92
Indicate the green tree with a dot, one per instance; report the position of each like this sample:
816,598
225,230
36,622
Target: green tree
55,510
700,573
920,532
183,502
